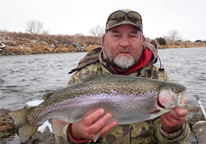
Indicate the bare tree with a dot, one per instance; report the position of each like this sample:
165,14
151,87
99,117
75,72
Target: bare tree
35,27
45,32
97,31
174,35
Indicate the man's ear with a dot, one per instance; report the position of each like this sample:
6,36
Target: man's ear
103,40
143,37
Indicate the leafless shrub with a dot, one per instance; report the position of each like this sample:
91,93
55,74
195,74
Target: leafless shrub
35,27
97,31
174,35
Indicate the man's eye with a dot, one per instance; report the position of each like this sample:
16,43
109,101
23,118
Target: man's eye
116,35
132,36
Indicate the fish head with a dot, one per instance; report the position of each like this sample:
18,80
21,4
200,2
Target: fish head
171,95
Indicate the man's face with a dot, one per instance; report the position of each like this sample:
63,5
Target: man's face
123,46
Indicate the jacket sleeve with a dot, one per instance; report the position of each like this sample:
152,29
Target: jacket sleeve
180,138
61,135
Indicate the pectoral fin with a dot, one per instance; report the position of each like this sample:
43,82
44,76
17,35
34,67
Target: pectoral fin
57,124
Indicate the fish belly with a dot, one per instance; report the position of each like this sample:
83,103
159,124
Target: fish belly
125,109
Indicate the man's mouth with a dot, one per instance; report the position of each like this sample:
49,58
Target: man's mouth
124,53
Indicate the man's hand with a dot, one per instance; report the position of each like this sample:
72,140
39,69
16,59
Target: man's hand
87,127
174,119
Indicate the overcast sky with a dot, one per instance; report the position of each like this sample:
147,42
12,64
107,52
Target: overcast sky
69,17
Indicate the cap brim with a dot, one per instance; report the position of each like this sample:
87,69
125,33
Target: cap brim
123,23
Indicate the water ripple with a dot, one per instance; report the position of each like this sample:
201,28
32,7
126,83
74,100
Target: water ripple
29,77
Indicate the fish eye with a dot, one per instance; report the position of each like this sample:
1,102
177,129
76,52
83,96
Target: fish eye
177,91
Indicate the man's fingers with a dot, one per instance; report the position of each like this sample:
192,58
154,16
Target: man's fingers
99,124
170,120
89,120
181,112
164,119
108,127
93,123
173,120
96,122
172,115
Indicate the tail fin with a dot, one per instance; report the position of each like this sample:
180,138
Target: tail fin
24,129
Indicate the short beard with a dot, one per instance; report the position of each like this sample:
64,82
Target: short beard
123,62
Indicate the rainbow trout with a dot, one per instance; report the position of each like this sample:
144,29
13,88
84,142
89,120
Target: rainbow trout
129,99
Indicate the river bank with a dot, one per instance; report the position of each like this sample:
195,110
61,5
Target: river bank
12,43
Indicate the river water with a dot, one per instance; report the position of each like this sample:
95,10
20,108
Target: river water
28,77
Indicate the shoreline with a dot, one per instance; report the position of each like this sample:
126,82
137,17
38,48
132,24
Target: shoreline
15,51
12,43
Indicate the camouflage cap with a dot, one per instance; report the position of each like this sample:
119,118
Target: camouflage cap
124,16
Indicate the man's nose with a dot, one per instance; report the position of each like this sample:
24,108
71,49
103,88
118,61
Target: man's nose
124,42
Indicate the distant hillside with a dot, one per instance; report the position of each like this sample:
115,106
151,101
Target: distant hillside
12,43
182,44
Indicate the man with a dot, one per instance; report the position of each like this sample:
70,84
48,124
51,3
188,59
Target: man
124,52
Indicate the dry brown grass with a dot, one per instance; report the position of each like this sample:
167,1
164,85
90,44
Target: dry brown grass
24,43
180,44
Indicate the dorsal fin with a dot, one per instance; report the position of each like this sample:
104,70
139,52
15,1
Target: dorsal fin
47,95
92,77
89,78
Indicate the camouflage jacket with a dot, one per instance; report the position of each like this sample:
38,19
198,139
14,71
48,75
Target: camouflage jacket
147,132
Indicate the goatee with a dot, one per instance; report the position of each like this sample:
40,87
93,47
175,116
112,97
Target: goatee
123,62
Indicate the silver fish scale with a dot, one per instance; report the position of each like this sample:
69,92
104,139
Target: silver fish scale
129,99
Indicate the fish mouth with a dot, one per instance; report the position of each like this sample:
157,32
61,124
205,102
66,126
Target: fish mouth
181,101
159,104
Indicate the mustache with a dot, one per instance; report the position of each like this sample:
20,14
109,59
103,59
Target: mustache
121,49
